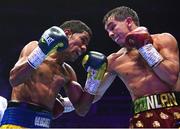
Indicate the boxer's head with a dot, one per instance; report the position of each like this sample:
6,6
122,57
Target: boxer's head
76,26
79,35
119,21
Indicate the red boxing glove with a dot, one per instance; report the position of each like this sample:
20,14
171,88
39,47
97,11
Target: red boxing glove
138,38
142,41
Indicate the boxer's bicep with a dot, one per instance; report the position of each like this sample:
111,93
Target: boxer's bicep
25,52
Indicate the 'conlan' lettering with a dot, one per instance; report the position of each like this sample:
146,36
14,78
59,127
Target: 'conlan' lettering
162,100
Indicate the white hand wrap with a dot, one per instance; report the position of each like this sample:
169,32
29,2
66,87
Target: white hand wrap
36,57
3,106
151,55
68,107
92,84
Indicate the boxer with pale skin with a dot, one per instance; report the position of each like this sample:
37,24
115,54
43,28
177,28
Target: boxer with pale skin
148,64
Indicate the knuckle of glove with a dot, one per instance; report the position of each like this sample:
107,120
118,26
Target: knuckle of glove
62,45
138,38
54,38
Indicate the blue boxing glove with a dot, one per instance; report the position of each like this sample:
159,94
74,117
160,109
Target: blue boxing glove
95,64
53,39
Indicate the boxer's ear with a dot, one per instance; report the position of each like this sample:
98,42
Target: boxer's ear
129,22
68,32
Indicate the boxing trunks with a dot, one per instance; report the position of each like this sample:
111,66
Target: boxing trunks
157,110
22,114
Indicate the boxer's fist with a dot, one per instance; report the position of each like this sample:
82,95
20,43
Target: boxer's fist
138,38
95,64
52,39
58,108
95,61
62,105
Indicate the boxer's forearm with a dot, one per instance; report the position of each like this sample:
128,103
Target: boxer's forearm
21,72
167,71
84,104
81,100
105,84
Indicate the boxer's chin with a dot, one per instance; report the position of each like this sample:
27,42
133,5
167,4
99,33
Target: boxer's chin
121,43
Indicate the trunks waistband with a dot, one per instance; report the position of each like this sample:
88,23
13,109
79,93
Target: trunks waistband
156,101
30,106
26,115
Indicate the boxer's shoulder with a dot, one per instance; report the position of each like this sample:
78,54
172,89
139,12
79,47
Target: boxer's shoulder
164,40
31,44
117,54
28,48
68,71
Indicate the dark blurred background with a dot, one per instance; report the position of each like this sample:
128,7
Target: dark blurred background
23,21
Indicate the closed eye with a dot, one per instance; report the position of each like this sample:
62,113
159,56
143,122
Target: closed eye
111,27
85,40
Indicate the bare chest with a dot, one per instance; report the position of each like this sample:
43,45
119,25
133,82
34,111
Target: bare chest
49,73
138,77
43,85
130,65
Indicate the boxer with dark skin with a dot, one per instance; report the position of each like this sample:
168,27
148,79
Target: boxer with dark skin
41,71
148,64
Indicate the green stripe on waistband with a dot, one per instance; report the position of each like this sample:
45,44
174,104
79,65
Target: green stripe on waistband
140,105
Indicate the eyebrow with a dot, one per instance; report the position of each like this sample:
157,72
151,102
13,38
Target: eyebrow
109,24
